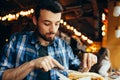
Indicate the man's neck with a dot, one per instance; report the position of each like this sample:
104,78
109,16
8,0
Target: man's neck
43,42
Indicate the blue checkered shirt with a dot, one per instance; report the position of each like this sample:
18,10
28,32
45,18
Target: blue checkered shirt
23,47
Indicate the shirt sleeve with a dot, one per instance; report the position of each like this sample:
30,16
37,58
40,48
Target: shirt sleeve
7,55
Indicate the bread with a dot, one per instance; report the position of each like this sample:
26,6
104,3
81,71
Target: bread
77,75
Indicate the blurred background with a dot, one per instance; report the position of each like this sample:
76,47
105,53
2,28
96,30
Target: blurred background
87,25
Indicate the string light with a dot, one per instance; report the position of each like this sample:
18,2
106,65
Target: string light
61,21
71,28
103,16
0,18
84,37
89,41
3,18
103,33
11,17
68,26
104,27
77,33
64,23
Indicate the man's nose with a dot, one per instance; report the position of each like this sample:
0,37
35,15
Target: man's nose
52,28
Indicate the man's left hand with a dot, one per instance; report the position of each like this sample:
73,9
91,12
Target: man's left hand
88,61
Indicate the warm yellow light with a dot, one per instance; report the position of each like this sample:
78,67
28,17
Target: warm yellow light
4,18
103,27
103,33
88,50
94,47
0,18
71,28
21,12
68,26
6,40
84,37
26,13
89,41
77,33
103,16
32,10
74,30
11,17
29,12
64,23
61,21
17,15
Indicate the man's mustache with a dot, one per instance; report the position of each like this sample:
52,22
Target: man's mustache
50,33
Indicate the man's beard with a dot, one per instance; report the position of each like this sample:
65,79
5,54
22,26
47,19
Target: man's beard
44,37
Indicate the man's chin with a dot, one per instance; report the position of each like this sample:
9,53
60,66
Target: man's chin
51,39
47,38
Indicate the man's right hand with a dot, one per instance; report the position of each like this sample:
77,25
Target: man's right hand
46,63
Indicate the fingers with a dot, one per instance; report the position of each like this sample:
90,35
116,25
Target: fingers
45,66
47,63
92,59
85,63
88,61
84,60
57,64
51,63
95,61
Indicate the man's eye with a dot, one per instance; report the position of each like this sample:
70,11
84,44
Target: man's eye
57,24
47,24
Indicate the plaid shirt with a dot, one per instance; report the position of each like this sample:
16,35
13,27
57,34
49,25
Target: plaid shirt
23,47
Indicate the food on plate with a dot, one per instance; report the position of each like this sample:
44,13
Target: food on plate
79,76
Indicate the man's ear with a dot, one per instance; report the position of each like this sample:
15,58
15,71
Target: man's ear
34,20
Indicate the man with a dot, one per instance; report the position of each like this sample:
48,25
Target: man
33,55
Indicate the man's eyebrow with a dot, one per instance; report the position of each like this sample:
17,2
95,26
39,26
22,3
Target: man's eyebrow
51,21
58,21
47,21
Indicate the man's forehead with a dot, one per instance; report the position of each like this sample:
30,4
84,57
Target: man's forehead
49,16
51,21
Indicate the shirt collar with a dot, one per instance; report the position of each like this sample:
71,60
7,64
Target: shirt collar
34,38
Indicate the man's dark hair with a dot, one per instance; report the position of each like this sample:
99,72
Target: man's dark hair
50,5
